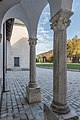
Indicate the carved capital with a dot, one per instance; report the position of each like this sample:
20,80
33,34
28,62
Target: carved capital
61,20
32,41
61,24
0,37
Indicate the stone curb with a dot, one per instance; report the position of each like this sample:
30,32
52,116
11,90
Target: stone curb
74,70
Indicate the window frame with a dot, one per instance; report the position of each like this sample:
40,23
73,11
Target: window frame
16,61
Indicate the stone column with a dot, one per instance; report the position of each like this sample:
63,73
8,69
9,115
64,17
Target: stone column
0,70
33,91
32,43
0,58
0,37
4,54
60,22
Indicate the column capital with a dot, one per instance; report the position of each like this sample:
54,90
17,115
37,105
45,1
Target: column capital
32,41
0,37
61,20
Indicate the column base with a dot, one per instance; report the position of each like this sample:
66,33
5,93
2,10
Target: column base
32,85
60,108
50,115
33,94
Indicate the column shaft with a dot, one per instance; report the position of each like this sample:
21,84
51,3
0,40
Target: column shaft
4,54
32,66
32,43
60,22
59,103
33,91
0,69
60,78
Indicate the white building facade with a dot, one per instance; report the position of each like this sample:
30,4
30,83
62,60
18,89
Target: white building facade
18,48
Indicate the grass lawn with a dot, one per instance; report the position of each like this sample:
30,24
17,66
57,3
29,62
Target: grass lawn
73,66
44,64
69,66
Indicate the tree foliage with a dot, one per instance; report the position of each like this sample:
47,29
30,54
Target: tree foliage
38,59
50,59
73,49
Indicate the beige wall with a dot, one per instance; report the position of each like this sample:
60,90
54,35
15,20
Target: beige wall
18,47
18,33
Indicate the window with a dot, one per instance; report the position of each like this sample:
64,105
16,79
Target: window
16,62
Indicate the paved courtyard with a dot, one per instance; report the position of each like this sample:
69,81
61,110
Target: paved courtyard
15,105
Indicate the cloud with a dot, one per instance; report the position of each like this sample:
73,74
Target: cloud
44,47
46,20
46,11
73,35
42,30
44,34
76,5
74,28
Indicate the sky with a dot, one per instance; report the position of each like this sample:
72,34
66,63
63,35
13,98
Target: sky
45,34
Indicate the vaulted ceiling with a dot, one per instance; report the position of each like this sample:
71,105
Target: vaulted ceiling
29,11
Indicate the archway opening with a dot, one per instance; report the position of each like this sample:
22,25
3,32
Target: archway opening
15,50
73,56
45,54
45,37
17,45
73,49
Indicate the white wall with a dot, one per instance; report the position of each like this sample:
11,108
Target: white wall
18,47
19,31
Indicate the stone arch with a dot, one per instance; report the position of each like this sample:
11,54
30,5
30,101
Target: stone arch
7,5
34,13
25,12
18,13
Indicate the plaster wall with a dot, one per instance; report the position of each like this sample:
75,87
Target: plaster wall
18,47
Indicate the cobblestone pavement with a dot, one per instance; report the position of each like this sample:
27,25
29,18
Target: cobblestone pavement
15,105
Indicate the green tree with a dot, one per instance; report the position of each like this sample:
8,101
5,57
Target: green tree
39,58
73,49
50,59
70,49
